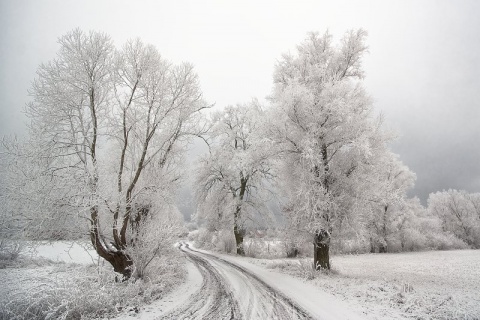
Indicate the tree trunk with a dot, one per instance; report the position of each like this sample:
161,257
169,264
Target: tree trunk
382,247
120,261
292,250
321,250
372,245
239,234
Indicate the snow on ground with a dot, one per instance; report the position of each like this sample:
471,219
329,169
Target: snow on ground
257,292
41,265
65,251
320,304
171,300
62,279
418,285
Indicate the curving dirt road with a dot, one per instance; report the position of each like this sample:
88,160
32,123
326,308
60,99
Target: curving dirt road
229,291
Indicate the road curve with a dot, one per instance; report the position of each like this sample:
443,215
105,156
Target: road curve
229,291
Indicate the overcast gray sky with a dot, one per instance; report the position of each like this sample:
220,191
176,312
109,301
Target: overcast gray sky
422,69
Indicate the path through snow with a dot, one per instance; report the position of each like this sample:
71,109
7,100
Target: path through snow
227,287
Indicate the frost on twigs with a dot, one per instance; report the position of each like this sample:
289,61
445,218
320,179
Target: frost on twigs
75,291
231,183
104,154
329,140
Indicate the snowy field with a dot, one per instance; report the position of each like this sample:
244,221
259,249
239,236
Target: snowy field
416,285
66,280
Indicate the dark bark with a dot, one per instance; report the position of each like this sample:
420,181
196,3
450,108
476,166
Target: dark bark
321,250
292,252
321,243
238,231
239,235
372,245
116,256
120,261
382,247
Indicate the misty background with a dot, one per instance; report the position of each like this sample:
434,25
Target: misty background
421,70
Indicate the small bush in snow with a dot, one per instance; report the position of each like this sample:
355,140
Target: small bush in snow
9,251
253,248
225,242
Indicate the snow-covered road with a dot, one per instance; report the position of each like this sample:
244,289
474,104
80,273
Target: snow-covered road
225,287
230,291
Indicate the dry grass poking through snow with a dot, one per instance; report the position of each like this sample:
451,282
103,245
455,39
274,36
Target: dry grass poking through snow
43,289
418,285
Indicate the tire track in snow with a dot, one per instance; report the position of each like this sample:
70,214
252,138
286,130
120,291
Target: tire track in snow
214,300
230,291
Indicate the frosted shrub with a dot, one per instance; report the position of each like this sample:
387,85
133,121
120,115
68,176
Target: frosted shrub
90,292
291,249
9,251
154,236
226,242
445,242
204,239
414,240
222,241
459,213
306,270
253,248
273,249
193,235
350,246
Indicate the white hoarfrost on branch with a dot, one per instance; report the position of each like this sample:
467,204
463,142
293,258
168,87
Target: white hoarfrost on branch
390,182
459,213
230,185
110,126
330,141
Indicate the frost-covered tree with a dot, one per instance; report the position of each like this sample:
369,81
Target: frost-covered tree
328,135
36,205
230,183
391,181
459,213
154,234
113,124
419,229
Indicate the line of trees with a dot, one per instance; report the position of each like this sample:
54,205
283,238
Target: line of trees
319,140
109,127
321,150
459,214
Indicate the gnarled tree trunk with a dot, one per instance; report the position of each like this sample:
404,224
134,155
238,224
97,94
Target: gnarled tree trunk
120,261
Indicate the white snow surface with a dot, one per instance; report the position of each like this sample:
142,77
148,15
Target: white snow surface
170,301
436,285
62,276
253,301
419,285
313,299
65,251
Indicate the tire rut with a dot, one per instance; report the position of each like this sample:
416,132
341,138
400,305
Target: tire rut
283,306
216,299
